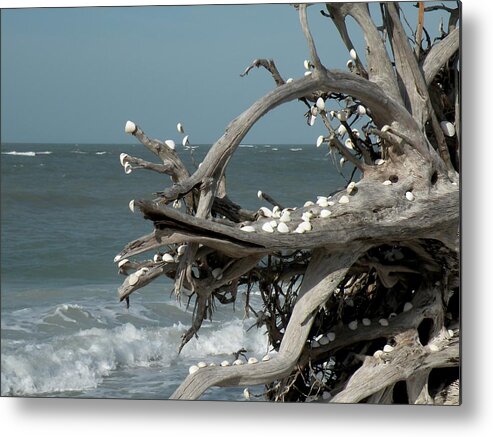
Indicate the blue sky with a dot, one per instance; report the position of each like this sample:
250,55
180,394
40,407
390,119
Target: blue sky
76,75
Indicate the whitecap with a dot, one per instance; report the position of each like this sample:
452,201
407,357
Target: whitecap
100,153
13,152
80,361
297,149
250,146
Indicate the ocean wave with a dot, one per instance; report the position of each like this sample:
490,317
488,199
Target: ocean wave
101,153
296,149
249,146
82,360
13,152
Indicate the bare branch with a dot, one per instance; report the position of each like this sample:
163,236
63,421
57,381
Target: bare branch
309,39
439,54
270,66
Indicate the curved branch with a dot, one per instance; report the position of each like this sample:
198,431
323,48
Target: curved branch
309,39
323,275
439,54
380,68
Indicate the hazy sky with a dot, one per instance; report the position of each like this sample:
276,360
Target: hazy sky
77,74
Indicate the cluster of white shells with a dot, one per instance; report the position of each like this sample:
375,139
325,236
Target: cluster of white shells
280,218
322,340
226,363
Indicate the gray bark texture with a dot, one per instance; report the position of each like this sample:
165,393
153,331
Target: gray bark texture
361,297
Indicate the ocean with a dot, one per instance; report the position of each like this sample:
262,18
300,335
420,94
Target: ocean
64,216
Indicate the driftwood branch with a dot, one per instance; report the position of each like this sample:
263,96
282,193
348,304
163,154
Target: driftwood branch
322,276
439,54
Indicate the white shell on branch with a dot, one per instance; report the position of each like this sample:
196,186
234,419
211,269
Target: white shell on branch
308,73
133,279
409,196
259,194
331,336
130,127
237,363
324,340
353,325
408,306
306,226
344,199
123,262
350,188
181,249
311,122
246,394
266,212
353,54
248,229
388,348
325,213
342,115
361,110
184,141
320,104
341,130
308,203
379,161
168,258
252,360
131,205
349,144
267,227
366,322
141,271
378,354
156,258
289,80
266,358
282,228
448,128
307,64
383,322
320,140
201,365
306,216
225,363
385,128
179,128
285,217
314,110
171,144
387,182
123,157
117,258
193,369
128,168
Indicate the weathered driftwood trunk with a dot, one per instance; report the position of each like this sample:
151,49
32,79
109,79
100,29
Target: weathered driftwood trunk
361,290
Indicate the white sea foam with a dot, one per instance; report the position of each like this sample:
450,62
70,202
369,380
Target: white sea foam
297,149
13,152
100,153
249,146
81,361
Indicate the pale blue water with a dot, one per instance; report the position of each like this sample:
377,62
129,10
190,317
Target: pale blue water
64,216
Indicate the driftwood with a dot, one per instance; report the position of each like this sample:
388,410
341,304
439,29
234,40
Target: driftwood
360,289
